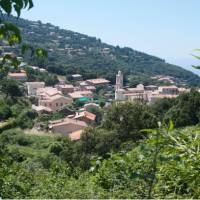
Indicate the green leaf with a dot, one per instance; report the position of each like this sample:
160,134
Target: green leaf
147,130
196,67
18,10
196,50
6,5
41,52
30,4
197,57
171,125
26,48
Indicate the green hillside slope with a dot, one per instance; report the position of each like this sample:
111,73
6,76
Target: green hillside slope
36,170
71,52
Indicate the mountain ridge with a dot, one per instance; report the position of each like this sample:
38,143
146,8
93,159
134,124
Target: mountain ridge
72,52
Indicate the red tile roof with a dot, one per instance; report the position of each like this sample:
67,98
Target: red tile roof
86,114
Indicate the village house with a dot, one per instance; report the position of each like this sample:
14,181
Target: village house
66,88
165,79
151,87
32,87
48,91
69,127
19,76
81,94
43,70
77,77
85,116
52,98
83,83
89,88
155,96
97,81
173,90
136,96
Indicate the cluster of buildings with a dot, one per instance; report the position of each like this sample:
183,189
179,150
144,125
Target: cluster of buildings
147,94
52,99
165,79
55,99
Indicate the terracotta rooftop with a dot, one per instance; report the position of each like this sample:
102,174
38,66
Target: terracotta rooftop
98,81
91,104
35,83
83,83
67,121
90,87
86,114
20,74
76,135
79,94
50,91
58,96
66,86
168,87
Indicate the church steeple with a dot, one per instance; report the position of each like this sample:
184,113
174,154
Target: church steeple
119,80
119,86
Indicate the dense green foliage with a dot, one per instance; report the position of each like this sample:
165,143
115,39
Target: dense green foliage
32,169
15,109
186,110
71,53
49,79
10,34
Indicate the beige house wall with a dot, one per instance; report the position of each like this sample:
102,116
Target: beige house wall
55,105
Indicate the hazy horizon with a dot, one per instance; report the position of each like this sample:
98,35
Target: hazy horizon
164,29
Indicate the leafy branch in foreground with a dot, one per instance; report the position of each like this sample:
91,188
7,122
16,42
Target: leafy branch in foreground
197,57
10,34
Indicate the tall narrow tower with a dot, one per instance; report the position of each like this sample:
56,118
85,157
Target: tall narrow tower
119,80
119,86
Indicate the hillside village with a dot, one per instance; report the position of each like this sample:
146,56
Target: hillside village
78,99
82,119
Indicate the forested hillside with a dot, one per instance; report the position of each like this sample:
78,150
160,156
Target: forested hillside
70,52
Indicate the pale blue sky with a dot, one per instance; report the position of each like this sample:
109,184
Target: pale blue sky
165,28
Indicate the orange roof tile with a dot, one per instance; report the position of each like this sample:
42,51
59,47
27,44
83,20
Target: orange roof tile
76,135
86,114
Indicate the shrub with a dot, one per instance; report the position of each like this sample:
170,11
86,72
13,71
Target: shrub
23,140
55,148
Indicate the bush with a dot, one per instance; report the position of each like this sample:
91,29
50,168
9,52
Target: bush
25,119
5,111
128,119
23,140
17,156
56,148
